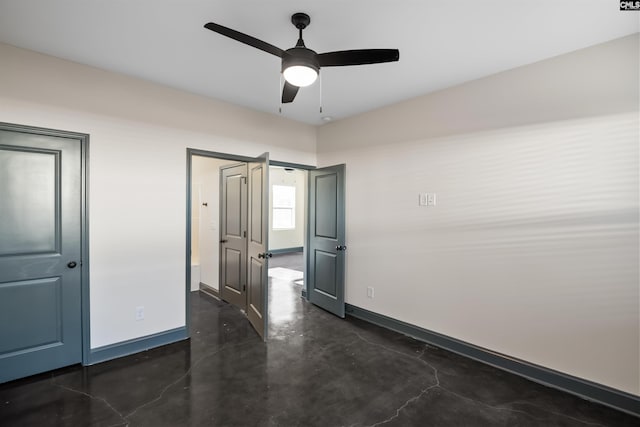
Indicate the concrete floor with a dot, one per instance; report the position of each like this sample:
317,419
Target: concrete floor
315,370
292,260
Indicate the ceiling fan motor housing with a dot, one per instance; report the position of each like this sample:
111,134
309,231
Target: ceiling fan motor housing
300,56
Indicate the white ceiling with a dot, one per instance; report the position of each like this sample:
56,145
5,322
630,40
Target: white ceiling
442,43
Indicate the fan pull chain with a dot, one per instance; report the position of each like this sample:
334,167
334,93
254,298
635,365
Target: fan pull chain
280,87
320,77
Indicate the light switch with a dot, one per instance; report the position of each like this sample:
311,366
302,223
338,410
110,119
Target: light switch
427,199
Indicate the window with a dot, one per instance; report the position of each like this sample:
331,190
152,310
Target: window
284,207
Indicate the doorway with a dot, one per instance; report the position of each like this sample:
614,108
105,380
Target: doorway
238,236
287,229
205,214
205,222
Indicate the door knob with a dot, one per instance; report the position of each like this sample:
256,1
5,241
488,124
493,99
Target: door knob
265,255
341,248
223,241
72,264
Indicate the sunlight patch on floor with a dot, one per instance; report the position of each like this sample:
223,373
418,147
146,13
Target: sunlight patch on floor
285,274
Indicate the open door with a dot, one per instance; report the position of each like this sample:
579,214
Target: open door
326,242
244,226
233,234
257,244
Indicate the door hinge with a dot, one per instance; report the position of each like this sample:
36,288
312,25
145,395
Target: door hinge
244,288
244,234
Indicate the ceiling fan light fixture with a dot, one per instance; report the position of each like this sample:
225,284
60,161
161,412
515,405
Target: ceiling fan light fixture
300,66
300,75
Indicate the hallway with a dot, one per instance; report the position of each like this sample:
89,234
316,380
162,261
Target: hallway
316,370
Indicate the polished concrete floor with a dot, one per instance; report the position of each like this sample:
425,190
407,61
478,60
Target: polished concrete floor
292,260
316,370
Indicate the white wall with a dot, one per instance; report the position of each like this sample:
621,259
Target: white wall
532,248
195,221
294,238
139,133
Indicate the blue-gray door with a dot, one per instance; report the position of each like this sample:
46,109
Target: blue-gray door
233,234
326,242
244,222
257,244
40,253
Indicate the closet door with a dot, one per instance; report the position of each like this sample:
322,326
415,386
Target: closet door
40,253
233,235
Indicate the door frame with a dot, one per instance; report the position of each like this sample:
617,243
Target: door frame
85,307
222,156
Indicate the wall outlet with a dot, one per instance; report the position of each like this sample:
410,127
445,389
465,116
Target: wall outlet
140,313
370,292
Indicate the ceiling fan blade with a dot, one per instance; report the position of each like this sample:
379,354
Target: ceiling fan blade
358,57
246,39
289,92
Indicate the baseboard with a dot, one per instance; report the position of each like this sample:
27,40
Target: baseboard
286,250
608,396
136,345
209,290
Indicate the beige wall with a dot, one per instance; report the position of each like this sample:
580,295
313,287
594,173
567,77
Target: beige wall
589,82
532,248
139,133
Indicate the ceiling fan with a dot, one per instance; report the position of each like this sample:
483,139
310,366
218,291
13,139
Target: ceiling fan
301,65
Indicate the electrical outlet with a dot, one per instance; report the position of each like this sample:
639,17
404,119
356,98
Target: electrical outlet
370,292
140,313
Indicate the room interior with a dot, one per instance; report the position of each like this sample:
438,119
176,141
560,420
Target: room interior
529,252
